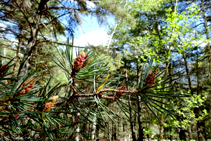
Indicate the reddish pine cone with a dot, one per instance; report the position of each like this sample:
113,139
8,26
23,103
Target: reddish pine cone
28,87
15,115
150,79
85,63
50,104
85,128
79,61
3,70
121,88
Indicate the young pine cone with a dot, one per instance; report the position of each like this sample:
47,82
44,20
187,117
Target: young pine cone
150,79
3,69
85,63
27,87
121,88
50,104
78,63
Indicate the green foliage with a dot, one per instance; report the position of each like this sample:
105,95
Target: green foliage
188,111
90,95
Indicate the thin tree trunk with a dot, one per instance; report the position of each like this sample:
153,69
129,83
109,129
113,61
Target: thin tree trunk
170,74
114,135
105,133
188,74
206,32
197,70
196,110
94,129
190,87
129,103
110,39
32,42
16,57
5,52
182,135
123,125
97,130
189,133
24,65
170,130
140,128
161,129
200,124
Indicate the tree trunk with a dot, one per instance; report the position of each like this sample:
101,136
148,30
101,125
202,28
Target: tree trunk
203,130
206,32
97,130
32,42
182,135
16,57
170,130
161,129
129,103
114,136
123,126
188,74
24,66
110,39
191,89
94,129
171,82
3,57
140,128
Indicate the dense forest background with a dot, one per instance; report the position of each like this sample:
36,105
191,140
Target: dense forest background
151,81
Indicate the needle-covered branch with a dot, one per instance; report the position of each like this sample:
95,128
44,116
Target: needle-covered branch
99,94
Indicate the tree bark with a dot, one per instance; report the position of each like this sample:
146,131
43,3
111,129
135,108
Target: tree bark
129,103
32,42
188,74
206,33
97,130
16,57
140,127
114,134
161,129
182,135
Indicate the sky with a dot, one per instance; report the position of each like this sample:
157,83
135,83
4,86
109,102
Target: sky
90,32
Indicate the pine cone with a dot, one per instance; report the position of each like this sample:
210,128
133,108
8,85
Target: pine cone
3,69
121,88
28,87
86,63
50,104
79,62
150,79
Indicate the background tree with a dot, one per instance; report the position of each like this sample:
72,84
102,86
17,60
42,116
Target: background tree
35,23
